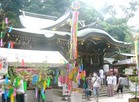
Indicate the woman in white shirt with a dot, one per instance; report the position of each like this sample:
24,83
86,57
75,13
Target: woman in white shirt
96,81
114,83
110,90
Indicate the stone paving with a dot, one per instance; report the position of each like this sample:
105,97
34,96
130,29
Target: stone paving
114,99
101,99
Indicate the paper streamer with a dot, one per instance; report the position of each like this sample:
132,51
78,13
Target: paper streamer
10,29
36,92
12,98
5,94
73,40
34,79
84,73
11,90
14,92
16,82
6,80
25,85
3,25
44,85
12,44
40,78
9,45
48,82
43,95
6,20
23,63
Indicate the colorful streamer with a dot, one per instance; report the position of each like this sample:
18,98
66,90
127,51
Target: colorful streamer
34,79
48,81
3,25
6,80
11,90
10,29
43,95
9,45
44,85
5,94
12,98
23,63
74,29
17,82
36,92
6,20
25,85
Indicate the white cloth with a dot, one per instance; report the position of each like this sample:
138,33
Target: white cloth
96,82
114,80
21,87
101,73
109,79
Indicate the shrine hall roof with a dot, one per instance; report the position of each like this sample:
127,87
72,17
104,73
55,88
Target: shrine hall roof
49,27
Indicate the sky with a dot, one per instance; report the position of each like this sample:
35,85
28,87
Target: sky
98,4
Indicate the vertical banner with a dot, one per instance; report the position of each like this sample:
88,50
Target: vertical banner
137,54
3,65
74,29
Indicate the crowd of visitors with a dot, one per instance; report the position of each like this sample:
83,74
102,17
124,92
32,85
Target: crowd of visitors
113,81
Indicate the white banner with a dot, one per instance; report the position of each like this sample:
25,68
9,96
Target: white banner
3,65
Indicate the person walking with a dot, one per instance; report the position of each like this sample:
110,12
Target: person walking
96,81
120,85
110,91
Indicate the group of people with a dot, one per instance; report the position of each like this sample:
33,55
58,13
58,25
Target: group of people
19,90
92,83
115,83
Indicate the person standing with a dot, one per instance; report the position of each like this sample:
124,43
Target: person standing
120,85
20,91
96,81
110,91
114,82
85,87
2,82
101,74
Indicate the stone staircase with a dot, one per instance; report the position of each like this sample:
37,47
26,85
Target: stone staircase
103,92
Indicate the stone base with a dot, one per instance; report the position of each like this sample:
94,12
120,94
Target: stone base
134,100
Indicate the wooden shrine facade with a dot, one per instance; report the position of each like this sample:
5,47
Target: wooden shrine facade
93,43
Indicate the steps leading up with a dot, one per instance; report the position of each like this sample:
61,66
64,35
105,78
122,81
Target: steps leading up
103,92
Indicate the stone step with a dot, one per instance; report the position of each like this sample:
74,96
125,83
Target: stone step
103,92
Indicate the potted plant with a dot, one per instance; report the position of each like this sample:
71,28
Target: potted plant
134,86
